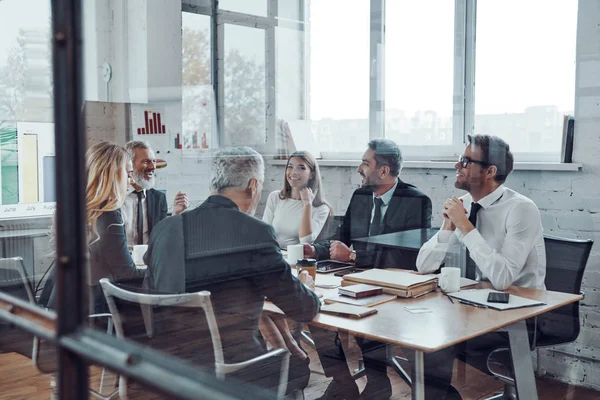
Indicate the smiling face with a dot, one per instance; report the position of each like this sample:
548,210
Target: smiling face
371,175
298,173
473,176
144,165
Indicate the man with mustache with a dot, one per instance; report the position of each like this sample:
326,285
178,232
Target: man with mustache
383,204
142,199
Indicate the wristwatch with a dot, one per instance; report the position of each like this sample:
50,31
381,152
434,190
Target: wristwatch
352,256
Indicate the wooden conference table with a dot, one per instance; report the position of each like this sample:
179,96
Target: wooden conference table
447,324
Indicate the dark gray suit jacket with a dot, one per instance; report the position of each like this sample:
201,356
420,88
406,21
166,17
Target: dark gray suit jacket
409,209
156,204
218,248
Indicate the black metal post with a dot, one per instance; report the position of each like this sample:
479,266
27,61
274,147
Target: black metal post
70,185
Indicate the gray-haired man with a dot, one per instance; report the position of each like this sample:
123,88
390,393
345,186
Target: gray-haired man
145,206
220,247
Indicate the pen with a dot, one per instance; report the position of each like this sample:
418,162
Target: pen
450,298
471,304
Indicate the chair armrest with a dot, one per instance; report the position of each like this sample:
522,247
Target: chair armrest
503,378
229,368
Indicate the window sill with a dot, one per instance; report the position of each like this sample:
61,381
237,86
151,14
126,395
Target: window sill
519,166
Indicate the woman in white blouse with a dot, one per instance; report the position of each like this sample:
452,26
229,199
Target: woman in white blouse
298,211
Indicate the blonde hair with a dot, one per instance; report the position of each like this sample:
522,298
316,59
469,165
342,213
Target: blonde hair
105,190
314,183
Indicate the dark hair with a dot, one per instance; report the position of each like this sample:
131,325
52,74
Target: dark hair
387,153
314,183
494,151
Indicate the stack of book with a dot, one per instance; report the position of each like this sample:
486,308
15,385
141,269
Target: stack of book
360,295
394,282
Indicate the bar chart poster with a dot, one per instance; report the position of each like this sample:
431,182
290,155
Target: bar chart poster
149,121
36,162
9,175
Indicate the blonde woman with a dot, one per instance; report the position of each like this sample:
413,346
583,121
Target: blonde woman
298,211
108,169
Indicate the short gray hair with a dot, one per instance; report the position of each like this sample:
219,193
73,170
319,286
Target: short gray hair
234,167
133,145
387,153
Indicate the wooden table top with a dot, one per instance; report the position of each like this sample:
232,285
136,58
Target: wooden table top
446,325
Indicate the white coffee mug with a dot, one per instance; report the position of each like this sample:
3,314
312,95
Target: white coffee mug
138,253
450,279
295,252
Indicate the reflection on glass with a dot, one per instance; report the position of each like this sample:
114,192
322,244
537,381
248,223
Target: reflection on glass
525,78
245,86
339,73
25,96
418,72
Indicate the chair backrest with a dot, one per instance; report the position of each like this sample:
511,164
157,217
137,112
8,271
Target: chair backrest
14,279
565,264
194,300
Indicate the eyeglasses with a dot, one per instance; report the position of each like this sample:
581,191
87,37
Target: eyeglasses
464,162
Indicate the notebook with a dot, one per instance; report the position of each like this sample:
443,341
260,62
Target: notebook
479,296
393,279
360,290
347,310
365,301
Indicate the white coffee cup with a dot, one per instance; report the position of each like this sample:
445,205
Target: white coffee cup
138,253
295,252
450,279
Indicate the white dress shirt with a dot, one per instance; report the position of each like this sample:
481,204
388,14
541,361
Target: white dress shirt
507,244
385,198
129,212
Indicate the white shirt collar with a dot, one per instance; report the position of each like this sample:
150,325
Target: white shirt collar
492,197
131,189
387,196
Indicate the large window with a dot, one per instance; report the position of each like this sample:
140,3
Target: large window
419,64
339,74
525,71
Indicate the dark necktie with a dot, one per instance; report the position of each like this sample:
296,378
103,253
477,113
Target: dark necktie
471,271
376,222
140,219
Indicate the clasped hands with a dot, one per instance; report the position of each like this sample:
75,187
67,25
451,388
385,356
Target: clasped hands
455,216
338,251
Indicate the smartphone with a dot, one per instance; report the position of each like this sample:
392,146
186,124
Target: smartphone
325,267
345,272
498,297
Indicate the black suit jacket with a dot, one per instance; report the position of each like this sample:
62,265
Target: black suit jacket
218,248
156,204
409,209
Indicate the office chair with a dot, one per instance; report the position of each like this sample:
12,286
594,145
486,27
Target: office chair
566,260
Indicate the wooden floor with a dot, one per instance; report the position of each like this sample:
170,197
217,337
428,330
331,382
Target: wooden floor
20,380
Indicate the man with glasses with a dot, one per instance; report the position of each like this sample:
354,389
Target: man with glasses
500,229
383,204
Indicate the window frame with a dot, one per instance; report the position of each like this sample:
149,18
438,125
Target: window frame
219,18
463,124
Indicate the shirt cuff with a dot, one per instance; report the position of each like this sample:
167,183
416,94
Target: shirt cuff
443,236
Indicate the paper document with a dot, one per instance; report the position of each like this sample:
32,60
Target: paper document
479,296
464,282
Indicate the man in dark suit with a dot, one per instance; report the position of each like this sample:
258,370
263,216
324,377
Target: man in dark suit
383,204
222,248
145,206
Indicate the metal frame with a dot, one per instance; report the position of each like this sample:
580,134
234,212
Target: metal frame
78,345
